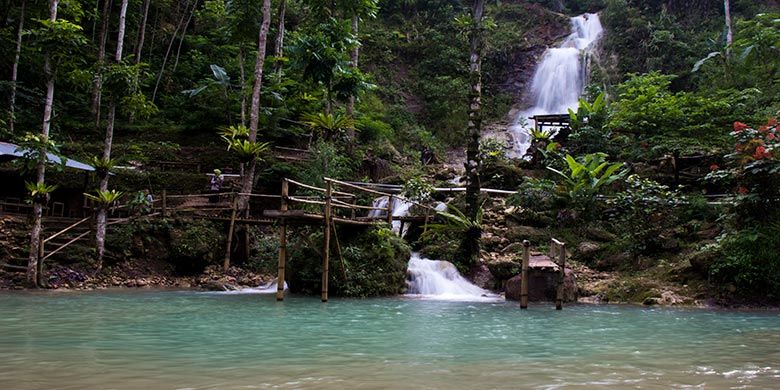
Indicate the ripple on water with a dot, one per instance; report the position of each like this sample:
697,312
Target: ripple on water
131,340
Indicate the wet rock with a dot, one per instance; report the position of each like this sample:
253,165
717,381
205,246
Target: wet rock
650,301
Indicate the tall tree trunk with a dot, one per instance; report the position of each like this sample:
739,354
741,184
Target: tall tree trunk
97,81
168,53
279,43
100,234
35,232
353,63
139,47
15,68
183,35
729,30
472,164
254,112
242,82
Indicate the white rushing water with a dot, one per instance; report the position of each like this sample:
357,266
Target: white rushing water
268,288
440,280
400,209
559,78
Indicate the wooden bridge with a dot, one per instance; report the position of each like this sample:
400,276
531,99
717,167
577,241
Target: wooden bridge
337,203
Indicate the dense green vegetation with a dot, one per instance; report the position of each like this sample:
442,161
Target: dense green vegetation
365,85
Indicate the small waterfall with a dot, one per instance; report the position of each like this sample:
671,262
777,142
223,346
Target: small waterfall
440,280
400,209
559,78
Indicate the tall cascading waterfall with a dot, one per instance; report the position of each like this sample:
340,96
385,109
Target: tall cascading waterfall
560,78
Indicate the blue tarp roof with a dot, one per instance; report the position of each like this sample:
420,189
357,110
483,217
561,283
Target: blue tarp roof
9,149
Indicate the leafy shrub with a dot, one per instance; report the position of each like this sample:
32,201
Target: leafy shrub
643,211
372,263
750,261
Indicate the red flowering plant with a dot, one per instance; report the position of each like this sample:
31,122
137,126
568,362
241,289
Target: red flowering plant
754,168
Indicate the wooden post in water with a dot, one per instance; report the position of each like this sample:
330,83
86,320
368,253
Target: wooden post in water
326,245
561,276
524,275
390,201
226,262
282,244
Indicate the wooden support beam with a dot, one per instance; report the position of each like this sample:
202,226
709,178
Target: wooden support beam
282,244
524,275
326,244
561,276
164,202
390,201
226,262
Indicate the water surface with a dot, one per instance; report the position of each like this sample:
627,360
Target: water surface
191,340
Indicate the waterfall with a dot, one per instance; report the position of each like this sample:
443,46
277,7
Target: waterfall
400,209
435,279
430,279
559,78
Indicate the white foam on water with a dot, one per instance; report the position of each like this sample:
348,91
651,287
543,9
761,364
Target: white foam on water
440,280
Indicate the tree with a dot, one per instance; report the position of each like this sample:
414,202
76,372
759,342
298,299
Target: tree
729,31
475,122
358,9
248,181
97,82
100,233
54,39
15,69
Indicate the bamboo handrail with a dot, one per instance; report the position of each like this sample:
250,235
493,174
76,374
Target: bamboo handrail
317,188
66,229
339,182
80,236
307,201
356,206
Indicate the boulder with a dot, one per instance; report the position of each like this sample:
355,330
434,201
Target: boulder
587,250
520,233
599,234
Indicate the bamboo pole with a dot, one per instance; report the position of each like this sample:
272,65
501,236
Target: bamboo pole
282,244
341,255
164,202
561,277
226,263
524,275
66,229
390,201
326,244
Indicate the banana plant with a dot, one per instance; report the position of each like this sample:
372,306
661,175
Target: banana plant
586,177
586,111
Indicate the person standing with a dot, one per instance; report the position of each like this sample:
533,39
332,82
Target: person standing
215,186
